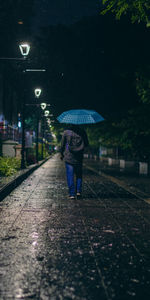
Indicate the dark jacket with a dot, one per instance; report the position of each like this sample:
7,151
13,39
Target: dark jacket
68,156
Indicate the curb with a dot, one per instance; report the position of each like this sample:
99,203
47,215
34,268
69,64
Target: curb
8,188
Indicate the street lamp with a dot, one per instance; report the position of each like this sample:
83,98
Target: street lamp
43,105
46,113
24,48
37,92
49,121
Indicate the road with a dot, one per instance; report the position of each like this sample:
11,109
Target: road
56,248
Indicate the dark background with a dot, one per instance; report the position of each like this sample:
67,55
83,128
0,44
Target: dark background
91,60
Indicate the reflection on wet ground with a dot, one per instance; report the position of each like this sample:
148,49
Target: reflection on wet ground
56,248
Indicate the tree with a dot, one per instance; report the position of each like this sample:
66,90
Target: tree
131,133
136,126
143,84
138,10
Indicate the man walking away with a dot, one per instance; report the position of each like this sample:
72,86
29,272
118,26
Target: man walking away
73,143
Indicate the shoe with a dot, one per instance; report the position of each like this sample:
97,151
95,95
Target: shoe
79,195
72,197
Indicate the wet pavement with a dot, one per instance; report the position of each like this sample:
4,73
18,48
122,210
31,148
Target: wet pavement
128,178
56,248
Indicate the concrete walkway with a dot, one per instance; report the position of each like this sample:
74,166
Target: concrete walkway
56,248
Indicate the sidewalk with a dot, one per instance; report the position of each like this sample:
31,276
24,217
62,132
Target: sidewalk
7,184
54,248
127,178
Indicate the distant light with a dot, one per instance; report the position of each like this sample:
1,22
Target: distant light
37,92
20,22
53,135
19,124
24,48
46,113
48,121
43,105
35,70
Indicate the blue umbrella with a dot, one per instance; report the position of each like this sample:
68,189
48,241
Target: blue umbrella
80,116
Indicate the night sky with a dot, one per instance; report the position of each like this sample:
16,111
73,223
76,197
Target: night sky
91,60
70,90
91,57
53,12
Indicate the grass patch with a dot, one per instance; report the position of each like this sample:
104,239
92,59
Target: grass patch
9,166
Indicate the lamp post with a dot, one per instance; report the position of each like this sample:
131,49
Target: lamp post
37,92
43,106
45,114
24,48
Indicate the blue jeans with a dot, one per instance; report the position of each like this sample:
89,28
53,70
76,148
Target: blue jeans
72,170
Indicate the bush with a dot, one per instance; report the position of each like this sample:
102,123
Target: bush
9,166
0,145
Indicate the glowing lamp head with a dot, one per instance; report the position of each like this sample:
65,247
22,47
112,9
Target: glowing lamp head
37,92
43,105
46,113
24,48
48,121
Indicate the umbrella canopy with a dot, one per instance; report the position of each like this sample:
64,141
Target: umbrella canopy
80,116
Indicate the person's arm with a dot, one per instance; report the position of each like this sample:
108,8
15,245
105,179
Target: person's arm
63,144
